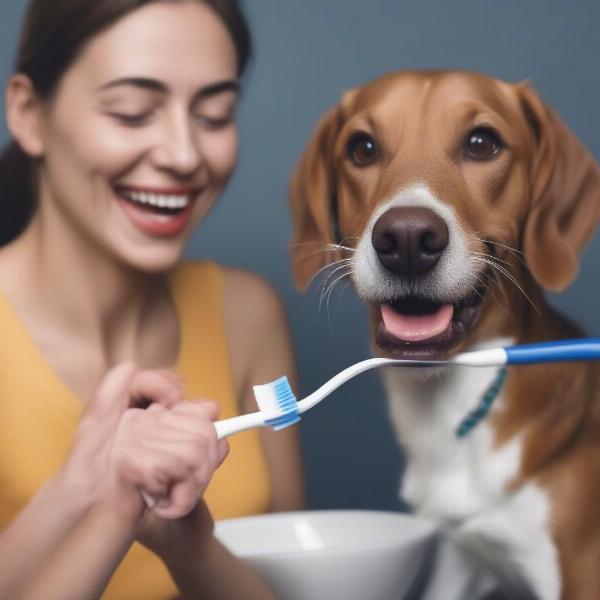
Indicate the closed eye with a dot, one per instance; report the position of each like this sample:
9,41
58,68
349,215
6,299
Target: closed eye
215,122
131,120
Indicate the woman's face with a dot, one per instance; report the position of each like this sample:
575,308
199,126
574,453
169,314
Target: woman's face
140,138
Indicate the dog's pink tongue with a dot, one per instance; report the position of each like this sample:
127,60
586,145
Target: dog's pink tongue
416,328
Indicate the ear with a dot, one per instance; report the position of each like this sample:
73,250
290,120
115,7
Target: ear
312,200
564,196
23,115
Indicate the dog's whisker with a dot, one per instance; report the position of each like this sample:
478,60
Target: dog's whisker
330,292
334,267
506,246
488,289
327,285
327,291
517,285
495,258
496,283
326,294
518,254
326,250
330,265
340,247
324,245
500,269
344,289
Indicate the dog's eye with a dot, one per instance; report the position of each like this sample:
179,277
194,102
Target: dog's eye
482,144
362,149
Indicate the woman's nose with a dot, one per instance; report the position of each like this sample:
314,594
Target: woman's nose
178,150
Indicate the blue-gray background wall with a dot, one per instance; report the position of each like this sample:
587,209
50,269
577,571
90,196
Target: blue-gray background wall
307,53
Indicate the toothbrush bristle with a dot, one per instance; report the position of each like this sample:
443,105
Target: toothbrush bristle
278,402
284,395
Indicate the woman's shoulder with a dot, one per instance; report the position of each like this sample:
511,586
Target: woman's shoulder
249,301
258,297
255,318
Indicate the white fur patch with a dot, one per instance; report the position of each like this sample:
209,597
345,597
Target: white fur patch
462,482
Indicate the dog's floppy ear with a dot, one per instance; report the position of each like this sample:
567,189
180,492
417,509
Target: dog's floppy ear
312,200
564,196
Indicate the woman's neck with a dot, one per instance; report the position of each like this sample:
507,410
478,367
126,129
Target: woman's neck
67,288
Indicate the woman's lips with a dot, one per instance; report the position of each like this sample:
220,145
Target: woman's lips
159,213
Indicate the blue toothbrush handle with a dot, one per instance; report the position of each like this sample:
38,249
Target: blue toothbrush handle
564,350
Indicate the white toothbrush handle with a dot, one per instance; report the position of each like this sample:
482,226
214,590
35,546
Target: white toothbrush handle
233,425
492,357
341,378
480,358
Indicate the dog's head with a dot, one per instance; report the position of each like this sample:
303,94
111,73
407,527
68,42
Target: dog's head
430,188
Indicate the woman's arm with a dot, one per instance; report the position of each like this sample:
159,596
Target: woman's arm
261,351
49,536
65,498
36,532
200,566
208,570
81,566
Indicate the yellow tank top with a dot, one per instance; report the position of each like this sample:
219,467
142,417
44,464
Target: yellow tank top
39,415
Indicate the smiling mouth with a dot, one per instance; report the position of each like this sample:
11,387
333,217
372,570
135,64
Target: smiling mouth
163,213
413,327
158,202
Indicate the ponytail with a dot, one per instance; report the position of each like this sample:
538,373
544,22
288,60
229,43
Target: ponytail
17,195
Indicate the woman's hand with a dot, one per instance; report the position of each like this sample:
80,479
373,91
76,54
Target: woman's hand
169,450
84,474
188,452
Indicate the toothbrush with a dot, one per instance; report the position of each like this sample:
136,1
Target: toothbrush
278,407
561,351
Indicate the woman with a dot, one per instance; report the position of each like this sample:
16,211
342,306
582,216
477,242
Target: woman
123,113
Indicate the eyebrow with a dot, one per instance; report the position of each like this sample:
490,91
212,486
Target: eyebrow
227,85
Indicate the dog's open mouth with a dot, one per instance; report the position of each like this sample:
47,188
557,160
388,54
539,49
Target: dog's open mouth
420,328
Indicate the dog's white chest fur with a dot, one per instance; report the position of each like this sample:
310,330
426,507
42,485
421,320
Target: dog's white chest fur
462,482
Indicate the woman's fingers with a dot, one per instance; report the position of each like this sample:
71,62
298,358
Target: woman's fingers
183,497
185,493
222,451
126,386
193,417
170,454
161,387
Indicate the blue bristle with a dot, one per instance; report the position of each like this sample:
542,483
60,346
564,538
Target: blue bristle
287,403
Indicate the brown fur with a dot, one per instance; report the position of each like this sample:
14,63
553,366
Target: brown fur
542,197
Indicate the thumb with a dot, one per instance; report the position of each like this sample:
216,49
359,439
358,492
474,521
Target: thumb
112,395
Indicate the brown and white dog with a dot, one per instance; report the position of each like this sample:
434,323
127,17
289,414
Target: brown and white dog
452,200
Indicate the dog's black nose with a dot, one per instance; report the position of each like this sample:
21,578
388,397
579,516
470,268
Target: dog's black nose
409,240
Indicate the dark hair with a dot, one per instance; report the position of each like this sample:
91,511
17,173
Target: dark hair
54,33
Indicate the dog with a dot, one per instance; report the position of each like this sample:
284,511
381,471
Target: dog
452,200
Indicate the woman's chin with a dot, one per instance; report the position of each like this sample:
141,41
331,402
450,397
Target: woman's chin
151,259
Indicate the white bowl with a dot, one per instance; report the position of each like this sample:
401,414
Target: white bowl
330,555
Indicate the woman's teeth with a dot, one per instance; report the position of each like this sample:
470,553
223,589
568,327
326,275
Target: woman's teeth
174,202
